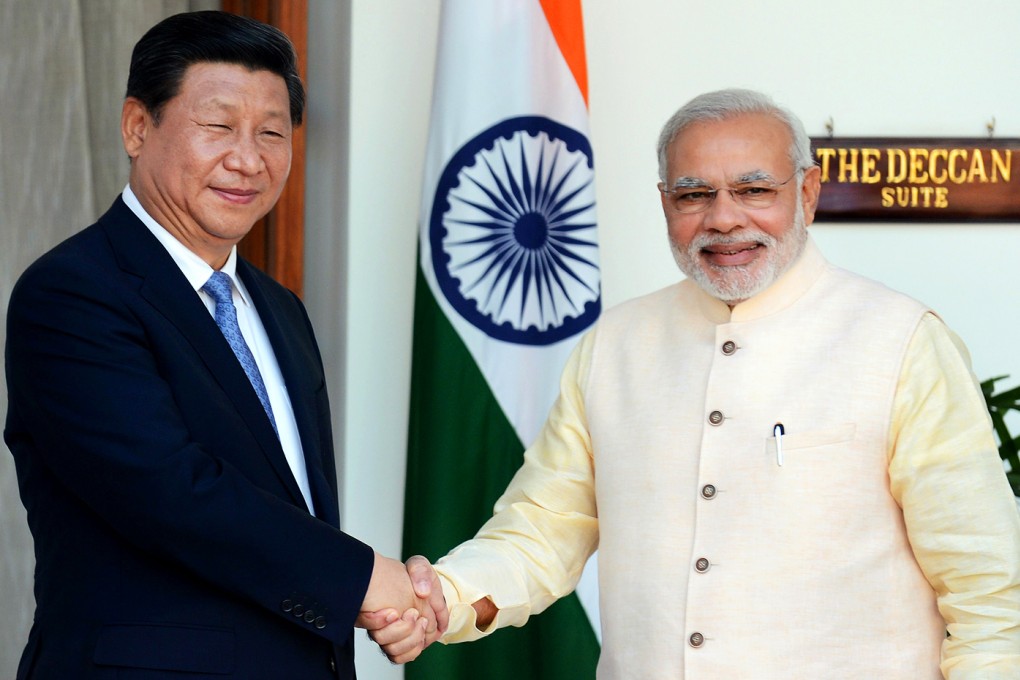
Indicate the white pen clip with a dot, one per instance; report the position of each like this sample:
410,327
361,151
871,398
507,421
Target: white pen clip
779,431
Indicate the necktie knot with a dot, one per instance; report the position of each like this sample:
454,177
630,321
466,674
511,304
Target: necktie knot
219,288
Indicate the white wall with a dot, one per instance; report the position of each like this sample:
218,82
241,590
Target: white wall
876,68
392,53
911,68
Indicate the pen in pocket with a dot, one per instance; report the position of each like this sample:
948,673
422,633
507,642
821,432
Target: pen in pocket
778,431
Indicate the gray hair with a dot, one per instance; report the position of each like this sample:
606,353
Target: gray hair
724,104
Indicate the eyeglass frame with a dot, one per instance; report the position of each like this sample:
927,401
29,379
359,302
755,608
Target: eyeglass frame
713,192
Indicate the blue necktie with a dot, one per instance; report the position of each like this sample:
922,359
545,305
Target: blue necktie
220,289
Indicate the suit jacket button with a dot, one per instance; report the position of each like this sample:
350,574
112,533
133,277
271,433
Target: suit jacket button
309,616
298,610
320,622
287,605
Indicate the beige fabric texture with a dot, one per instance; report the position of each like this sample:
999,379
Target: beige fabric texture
890,504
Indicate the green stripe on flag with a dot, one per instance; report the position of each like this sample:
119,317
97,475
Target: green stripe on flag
462,452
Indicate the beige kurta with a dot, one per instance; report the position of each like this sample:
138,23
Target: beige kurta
715,561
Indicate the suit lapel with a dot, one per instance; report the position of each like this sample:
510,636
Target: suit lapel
299,364
164,286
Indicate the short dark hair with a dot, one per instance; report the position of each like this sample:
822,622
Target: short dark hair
160,59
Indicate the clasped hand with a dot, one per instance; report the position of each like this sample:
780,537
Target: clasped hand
404,609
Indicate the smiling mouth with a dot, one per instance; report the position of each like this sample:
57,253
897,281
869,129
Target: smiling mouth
730,249
240,197
727,255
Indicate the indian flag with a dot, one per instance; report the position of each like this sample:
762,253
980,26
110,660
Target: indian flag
507,280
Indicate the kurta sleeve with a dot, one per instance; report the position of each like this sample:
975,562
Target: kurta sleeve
544,528
960,515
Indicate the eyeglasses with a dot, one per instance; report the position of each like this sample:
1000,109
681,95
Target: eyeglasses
753,195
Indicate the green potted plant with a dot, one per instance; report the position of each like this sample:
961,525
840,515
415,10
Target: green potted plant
999,405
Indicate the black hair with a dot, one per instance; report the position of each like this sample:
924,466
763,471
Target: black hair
160,59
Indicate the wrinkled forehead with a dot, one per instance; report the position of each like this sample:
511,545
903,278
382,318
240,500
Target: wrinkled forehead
737,149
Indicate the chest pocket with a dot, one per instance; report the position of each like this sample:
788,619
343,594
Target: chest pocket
795,441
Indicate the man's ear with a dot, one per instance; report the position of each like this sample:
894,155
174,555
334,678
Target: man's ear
135,122
809,192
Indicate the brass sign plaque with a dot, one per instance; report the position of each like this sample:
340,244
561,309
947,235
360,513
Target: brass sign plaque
930,180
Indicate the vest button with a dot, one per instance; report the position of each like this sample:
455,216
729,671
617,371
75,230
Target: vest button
715,418
696,640
708,492
729,347
702,565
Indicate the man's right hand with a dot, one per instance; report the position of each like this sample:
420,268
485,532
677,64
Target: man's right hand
425,616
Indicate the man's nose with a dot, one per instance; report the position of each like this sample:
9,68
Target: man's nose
244,157
724,214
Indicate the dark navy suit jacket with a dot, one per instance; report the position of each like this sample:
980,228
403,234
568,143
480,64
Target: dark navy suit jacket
171,539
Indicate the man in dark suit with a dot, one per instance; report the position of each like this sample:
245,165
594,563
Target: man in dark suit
168,412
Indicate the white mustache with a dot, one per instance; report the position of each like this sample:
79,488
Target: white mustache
703,241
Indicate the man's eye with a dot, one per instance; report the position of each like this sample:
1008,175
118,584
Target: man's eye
693,196
755,192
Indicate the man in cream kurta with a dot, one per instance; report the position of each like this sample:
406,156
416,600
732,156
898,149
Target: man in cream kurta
788,469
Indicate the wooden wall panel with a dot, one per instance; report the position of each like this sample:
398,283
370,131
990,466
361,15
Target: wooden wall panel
276,243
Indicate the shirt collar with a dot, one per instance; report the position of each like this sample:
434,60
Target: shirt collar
196,270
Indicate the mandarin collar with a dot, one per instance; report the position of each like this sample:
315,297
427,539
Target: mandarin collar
786,290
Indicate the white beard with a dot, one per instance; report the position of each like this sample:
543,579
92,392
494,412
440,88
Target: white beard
734,284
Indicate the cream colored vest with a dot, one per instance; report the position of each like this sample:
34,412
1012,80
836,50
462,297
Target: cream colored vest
761,571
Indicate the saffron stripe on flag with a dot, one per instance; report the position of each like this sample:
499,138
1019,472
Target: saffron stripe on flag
565,21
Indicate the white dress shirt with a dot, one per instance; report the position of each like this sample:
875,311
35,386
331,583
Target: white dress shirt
198,271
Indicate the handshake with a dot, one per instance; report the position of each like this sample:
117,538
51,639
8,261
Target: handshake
404,610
